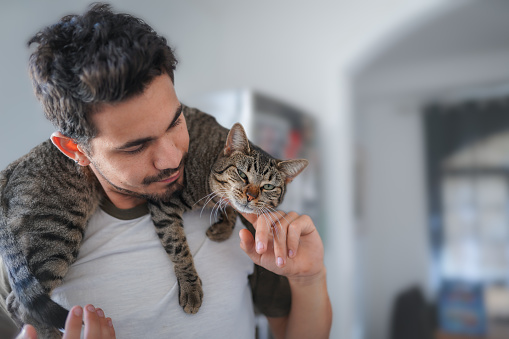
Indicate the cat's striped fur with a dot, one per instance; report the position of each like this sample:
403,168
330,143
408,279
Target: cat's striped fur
46,201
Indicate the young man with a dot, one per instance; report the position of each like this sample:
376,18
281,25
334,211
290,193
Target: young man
106,82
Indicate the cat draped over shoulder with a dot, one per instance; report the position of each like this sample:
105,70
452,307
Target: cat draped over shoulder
46,201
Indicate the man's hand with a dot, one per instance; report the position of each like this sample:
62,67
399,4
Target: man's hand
289,245
97,326
286,244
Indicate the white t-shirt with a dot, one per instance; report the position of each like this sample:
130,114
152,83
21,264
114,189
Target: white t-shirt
123,269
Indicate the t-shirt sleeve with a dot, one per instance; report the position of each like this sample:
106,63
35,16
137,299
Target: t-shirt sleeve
271,293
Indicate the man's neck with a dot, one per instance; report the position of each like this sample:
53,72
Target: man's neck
123,201
120,200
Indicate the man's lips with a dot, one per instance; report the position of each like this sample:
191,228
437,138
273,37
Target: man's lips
172,178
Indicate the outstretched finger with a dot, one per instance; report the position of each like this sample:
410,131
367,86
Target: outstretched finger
107,329
73,323
111,329
262,226
263,233
279,226
247,243
281,229
250,217
92,324
300,226
103,323
28,332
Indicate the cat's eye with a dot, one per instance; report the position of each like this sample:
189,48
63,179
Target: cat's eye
242,174
268,187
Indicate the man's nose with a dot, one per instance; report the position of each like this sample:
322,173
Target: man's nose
167,155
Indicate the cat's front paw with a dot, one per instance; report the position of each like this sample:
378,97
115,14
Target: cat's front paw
220,231
21,317
15,309
190,295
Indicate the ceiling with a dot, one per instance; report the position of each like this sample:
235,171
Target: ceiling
466,28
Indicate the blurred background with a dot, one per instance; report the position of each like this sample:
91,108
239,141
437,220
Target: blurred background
403,109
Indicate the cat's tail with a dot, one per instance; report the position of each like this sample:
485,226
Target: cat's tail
31,295
34,300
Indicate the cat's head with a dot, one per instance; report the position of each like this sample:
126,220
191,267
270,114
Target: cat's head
250,179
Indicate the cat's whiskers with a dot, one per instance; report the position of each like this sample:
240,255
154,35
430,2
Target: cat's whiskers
223,204
212,195
209,197
267,220
281,216
261,213
220,205
215,210
273,210
221,192
267,213
276,214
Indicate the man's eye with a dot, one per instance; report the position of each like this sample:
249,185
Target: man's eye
268,187
176,122
138,149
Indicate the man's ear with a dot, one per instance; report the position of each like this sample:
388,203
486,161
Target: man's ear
70,148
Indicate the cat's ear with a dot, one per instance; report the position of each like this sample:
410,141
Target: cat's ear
70,148
236,140
292,168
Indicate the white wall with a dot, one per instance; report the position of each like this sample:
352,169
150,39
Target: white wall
392,232
298,51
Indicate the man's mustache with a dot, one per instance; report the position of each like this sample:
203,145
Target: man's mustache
164,174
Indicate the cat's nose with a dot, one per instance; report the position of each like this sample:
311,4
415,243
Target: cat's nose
252,193
250,196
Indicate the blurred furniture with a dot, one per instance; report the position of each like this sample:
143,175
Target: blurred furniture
412,316
442,335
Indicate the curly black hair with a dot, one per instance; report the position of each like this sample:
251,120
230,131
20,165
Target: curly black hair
87,60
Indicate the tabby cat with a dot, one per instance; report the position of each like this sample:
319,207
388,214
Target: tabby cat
46,201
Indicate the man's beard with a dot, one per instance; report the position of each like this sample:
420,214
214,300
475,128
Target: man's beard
173,189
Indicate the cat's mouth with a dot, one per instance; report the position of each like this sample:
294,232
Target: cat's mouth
241,207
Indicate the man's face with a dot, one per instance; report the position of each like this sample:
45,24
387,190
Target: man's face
141,145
